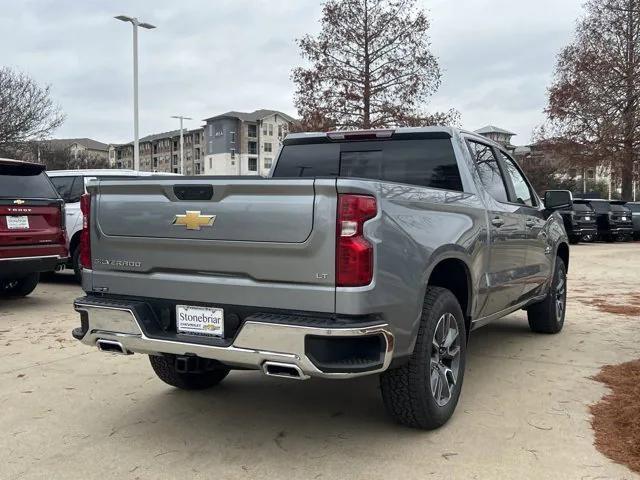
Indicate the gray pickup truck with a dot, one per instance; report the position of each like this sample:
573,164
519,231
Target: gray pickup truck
369,252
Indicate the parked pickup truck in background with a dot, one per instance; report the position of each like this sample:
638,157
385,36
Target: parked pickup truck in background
32,235
373,252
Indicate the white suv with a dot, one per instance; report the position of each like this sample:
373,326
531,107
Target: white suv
71,185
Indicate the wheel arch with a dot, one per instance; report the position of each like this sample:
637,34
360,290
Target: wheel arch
454,274
563,252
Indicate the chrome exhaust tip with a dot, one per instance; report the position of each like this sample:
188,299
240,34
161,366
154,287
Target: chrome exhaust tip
111,346
283,370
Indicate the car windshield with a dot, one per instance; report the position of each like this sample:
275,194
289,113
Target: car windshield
619,208
18,181
581,207
601,207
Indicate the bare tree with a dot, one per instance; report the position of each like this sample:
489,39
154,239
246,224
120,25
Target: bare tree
27,111
595,97
371,67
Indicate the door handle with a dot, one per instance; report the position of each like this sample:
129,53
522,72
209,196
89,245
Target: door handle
530,223
497,222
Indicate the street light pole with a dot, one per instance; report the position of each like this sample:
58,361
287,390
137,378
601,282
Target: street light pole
136,141
181,118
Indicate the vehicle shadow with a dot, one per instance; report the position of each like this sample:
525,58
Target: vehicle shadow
290,410
65,277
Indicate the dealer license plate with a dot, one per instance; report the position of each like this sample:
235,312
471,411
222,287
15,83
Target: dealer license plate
20,222
194,320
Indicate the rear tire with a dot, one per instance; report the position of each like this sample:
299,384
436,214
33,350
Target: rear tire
548,315
424,392
165,368
20,287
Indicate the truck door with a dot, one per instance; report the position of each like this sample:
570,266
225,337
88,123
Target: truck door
539,253
507,238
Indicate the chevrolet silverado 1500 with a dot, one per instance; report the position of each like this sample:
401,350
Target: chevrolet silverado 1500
368,252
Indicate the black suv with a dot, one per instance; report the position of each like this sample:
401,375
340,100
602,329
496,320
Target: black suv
579,221
635,216
613,219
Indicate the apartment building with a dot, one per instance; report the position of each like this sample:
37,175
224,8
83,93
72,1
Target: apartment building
161,152
241,143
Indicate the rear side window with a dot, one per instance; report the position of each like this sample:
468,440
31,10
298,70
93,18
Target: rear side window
489,170
25,182
425,162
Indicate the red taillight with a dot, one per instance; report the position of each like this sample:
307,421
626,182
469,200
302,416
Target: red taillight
85,236
354,253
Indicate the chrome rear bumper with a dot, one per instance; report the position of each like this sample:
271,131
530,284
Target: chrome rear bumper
254,344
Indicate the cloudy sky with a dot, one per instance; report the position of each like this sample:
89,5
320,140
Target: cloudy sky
210,56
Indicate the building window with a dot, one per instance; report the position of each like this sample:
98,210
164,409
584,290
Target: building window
264,129
271,129
267,147
211,129
197,167
252,131
233,153
280,130
591,174
175,159
119,164
210,163
253,164
267,163
210,146
253,148
233,137
175,144
155,163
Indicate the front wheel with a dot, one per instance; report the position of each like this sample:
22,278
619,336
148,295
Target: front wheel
20,287
547,316
424,392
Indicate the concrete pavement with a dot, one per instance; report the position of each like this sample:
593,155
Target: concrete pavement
68,411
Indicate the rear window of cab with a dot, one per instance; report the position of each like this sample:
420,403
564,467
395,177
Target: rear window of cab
423,162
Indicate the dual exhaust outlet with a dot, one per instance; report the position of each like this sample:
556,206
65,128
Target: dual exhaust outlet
271,369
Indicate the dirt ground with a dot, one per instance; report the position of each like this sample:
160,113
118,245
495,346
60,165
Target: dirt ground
69,411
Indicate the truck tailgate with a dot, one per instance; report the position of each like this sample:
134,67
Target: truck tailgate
253,242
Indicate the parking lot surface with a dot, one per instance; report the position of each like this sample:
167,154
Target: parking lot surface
69,411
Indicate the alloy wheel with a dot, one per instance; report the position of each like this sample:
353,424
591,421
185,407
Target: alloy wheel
561,294
445,359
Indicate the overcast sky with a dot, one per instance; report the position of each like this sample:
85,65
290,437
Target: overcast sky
210,56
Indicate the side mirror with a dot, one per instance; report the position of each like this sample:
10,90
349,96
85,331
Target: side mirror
555,199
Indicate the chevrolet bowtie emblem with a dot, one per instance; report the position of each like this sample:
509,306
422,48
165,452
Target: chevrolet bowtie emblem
18,202
193,220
